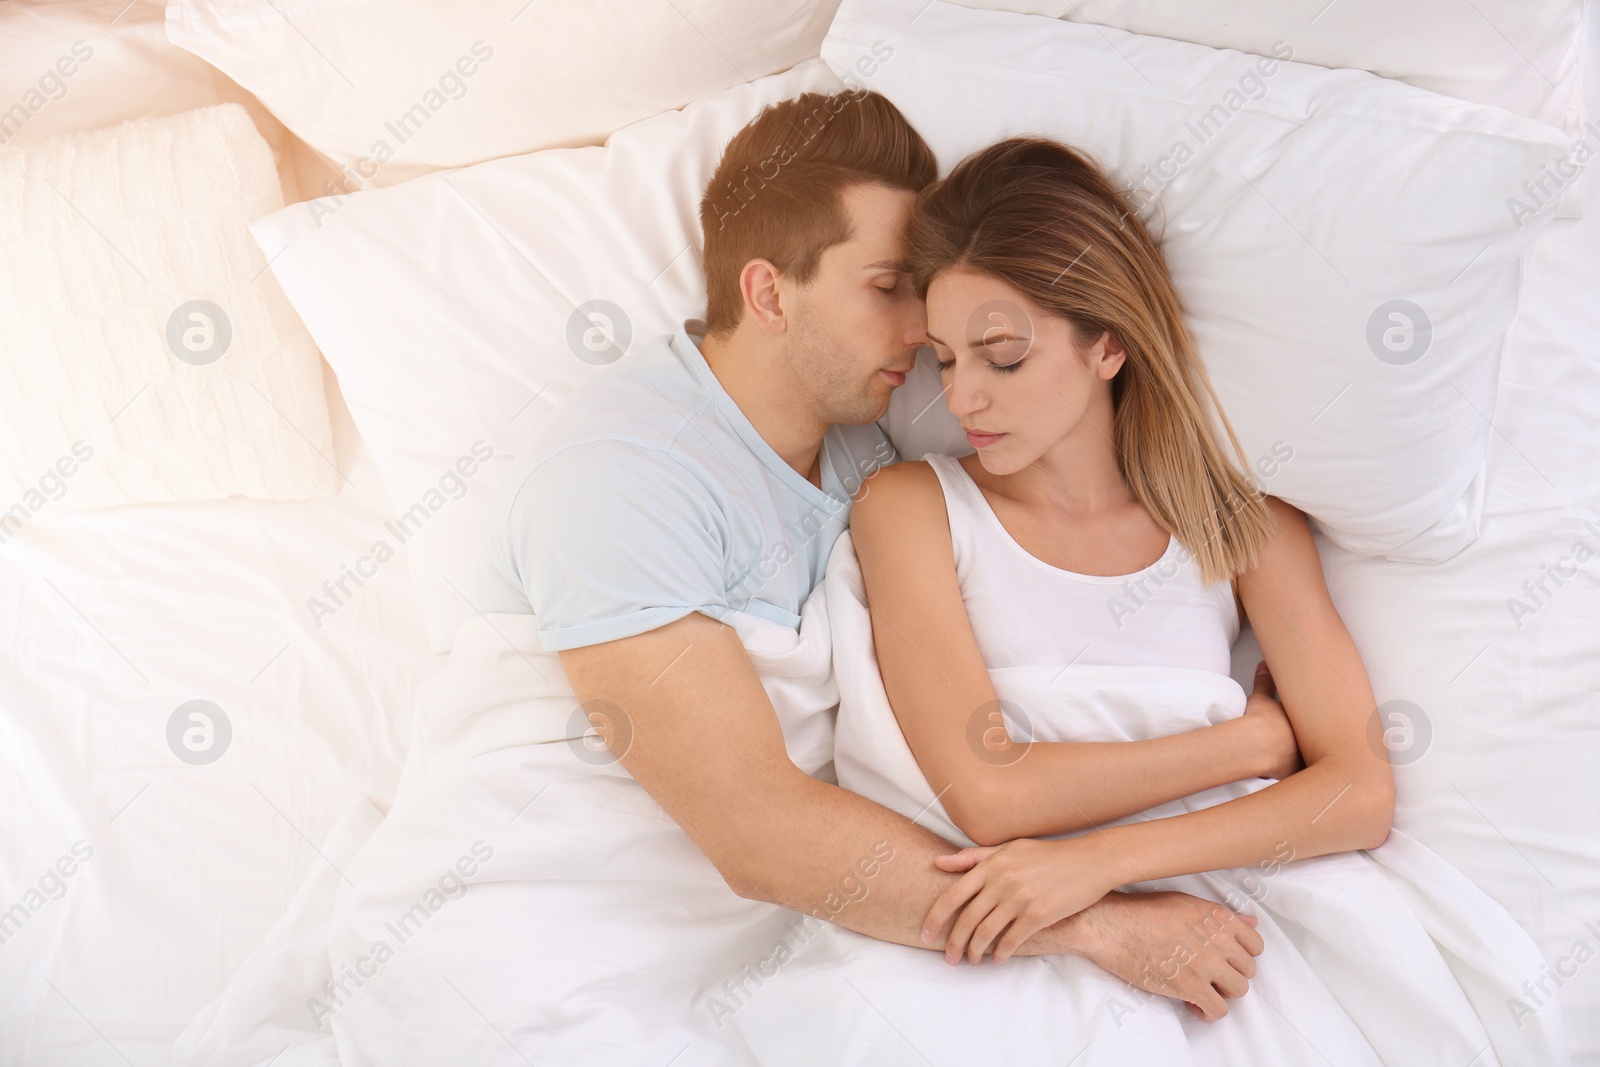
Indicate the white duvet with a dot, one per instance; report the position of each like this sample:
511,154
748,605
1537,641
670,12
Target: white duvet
525,901
1389,956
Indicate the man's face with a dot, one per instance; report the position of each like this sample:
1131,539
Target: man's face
856,329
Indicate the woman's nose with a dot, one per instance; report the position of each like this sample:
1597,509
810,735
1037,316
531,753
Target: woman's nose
961,393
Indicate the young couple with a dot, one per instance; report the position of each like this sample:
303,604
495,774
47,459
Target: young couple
714,473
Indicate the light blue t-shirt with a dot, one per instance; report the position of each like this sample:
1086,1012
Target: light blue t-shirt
649,495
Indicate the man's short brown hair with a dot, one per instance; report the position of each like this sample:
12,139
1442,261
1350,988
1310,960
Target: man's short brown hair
776,193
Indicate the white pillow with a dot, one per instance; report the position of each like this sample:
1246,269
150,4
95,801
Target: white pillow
448,307
392,89
146,356
73,65
1341,243
1524,57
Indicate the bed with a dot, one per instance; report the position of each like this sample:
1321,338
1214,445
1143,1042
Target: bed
206,703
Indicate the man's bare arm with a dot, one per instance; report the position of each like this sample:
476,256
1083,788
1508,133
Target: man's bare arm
694,726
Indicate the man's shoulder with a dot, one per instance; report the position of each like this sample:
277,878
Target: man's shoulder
643,404
640,391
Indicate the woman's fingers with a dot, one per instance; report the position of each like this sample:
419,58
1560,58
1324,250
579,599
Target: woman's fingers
958,893
1264,683
958,861
989,930
1018,932
976,910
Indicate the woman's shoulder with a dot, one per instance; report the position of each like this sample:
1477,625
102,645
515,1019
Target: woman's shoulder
899,499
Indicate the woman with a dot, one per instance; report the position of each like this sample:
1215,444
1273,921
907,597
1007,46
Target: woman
1101,527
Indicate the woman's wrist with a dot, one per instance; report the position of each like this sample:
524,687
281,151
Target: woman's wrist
1246,754
1107,863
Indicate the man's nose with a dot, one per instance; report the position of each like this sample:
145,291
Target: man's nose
916,328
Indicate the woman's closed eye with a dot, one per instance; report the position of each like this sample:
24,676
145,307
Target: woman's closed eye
1004,368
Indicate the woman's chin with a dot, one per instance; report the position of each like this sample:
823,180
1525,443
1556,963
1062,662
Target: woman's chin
998,462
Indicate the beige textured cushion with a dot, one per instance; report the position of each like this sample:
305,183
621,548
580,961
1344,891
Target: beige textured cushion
146,353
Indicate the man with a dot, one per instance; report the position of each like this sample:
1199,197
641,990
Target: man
695,480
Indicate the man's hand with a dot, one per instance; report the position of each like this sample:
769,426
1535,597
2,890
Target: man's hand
690,720
1175,945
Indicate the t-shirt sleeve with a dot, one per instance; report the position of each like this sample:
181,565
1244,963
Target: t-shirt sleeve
611,539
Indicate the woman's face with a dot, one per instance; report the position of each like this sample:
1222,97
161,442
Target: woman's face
1014,376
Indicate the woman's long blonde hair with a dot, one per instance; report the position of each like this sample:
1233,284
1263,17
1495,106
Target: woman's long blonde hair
1043,218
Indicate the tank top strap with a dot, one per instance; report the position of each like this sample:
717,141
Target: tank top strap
959,488
964,504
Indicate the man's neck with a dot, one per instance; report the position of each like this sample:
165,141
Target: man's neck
754,374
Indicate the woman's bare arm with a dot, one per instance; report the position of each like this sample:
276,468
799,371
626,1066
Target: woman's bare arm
1344,798
939,688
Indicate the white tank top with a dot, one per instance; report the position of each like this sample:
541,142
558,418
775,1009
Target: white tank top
1027,613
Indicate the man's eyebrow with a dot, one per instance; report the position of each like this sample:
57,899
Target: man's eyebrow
903,265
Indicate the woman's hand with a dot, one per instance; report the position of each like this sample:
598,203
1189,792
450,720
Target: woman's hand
1014,890
1273,734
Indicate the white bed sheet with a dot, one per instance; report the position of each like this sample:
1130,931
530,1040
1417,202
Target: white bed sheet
1506,788
114,618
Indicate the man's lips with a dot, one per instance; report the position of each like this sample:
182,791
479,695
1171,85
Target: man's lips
897,377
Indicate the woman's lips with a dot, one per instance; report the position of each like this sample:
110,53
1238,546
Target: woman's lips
982,440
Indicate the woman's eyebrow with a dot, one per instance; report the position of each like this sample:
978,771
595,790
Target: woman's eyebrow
977,342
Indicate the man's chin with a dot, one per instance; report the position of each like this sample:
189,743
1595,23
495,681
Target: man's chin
869,409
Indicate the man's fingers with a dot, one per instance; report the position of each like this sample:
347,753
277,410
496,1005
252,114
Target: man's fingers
1209,1001
1244,931
1227,981
1239,959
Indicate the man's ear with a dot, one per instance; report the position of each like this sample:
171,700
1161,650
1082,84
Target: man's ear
763,296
